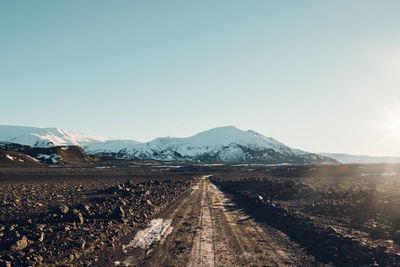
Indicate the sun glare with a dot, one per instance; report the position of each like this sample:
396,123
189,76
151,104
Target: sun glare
391,122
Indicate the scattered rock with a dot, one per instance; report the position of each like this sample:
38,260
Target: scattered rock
40,227
40,239
4,263
118,213
396,236
75,216
80,243
20,244
63,209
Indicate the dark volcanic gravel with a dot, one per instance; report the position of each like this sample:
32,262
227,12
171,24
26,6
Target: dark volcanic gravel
345,215
69,221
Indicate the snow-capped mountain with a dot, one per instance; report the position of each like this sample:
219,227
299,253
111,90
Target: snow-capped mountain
48,137
222,144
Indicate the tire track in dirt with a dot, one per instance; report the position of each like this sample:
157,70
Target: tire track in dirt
210,230
255,246
174,251
202,253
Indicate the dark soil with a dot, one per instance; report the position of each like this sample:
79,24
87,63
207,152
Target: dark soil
345,215
348,215
50,220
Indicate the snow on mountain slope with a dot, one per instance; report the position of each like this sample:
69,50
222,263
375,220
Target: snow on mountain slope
113,146
222,144
45,137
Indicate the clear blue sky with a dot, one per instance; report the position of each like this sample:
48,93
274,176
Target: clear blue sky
323,76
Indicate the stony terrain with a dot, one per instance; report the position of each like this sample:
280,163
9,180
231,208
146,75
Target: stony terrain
71,221
148,213
347,215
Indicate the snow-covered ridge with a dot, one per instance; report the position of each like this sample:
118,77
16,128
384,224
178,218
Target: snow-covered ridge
46,137
225,141
222,144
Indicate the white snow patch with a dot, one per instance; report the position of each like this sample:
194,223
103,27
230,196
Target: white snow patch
389,173
43,156
52,157
10,157
45,137
382,174
167,166
157,230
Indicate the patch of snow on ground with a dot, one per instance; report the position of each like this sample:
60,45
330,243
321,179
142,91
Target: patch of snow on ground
53,157
157,230
10,157
43,156
389,173
382,174
167,166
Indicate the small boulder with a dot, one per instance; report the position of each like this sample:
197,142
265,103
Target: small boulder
40,239
118,213
63,209
20,244
80,243
75,216
396,236
129,183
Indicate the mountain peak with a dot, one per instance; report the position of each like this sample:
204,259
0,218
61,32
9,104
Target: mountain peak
220,144
223,130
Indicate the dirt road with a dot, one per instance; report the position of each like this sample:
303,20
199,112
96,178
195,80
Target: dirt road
205,228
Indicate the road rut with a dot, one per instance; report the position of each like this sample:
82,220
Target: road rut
208,229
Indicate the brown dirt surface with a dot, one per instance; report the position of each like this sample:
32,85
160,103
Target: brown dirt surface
145,213
70,221
208,229
348,215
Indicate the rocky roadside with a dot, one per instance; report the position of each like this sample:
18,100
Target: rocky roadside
71,224
327,243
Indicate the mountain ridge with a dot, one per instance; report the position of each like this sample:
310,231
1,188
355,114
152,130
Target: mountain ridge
220,144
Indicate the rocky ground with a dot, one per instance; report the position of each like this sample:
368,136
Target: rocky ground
349,217
69,221
205,228
270,215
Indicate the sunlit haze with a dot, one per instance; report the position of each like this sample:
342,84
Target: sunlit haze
321,76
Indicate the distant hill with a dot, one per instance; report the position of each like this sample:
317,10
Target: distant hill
347,158
49,137
14,157
49,155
